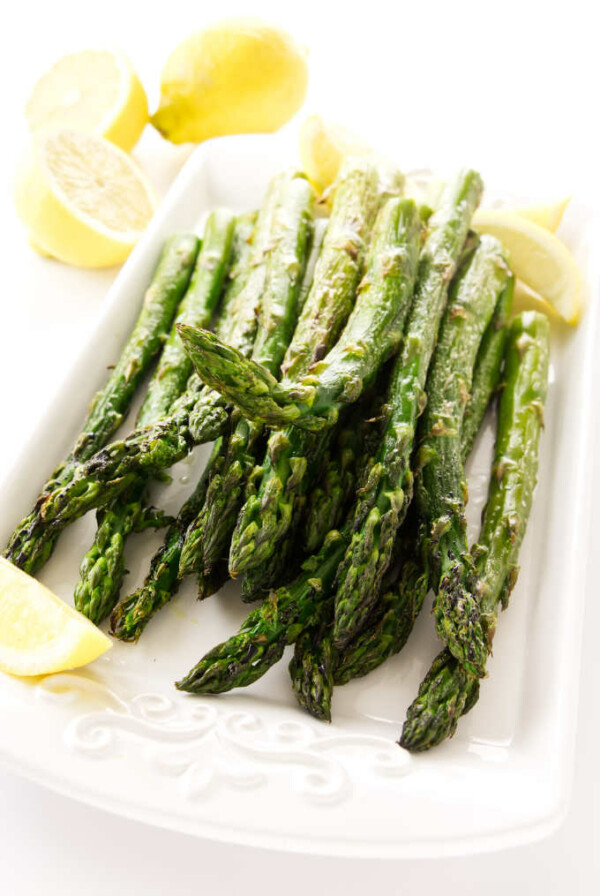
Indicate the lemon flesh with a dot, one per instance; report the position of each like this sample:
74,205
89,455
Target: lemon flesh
39,633
96,91
324,146
241,76
538,258
82,199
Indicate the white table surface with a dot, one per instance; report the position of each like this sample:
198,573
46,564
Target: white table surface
509,88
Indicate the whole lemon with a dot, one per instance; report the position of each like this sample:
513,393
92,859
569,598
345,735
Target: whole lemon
239,76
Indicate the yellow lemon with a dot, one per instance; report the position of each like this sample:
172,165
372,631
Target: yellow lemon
548,215
39,633
538,258
240,76
82,199
324,146
96,91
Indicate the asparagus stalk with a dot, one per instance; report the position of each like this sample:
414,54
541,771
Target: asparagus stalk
267,630
103,567
386,495
371,335
451,689
486,374
199,415
293,456
111,403
197,308
312,669
208,537
441,481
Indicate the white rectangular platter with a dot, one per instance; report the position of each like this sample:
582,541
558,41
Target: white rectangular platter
250,767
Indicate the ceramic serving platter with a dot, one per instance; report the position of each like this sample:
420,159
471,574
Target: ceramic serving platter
250,767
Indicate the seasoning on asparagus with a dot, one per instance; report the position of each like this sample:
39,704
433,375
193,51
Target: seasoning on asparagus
110,405
293,456
387,494
371,335
450,689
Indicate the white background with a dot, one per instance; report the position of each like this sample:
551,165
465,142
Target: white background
512,89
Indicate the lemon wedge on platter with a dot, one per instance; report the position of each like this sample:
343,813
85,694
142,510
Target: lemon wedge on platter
39,633
538,258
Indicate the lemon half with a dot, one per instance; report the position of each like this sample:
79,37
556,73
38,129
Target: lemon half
96,91
82,199
39,633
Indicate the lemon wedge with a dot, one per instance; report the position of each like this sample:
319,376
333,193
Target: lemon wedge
39,633
82,199
96,91
324,146
538,258
240,76
548,215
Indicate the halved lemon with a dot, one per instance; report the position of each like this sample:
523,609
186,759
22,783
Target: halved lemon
82,199
96,91
39,633
538,258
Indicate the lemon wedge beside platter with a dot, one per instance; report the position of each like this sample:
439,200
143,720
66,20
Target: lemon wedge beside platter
82,199
39,633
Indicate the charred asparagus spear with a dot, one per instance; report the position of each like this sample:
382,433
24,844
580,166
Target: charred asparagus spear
103,566
385,498
267,630
450,689
110,405
371,335
441,481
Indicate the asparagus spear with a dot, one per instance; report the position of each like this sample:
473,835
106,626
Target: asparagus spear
197,308
486,374
103,566
312,670
293,456
267,630
371,335
441,481
112,402
199,415
207,539
385,497
451,689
